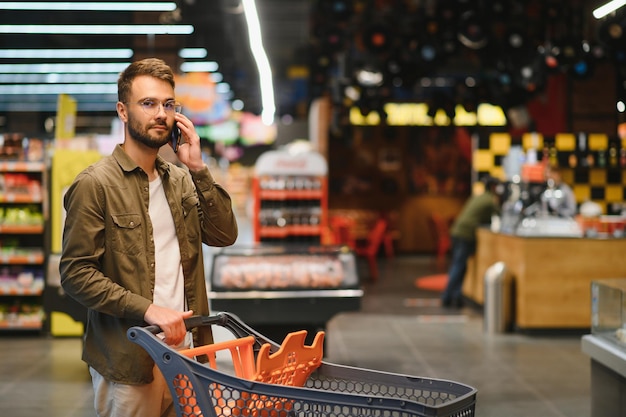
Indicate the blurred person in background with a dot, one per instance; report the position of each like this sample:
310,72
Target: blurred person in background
476,212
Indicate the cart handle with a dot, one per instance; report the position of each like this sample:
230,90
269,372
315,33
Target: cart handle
190,323
229,321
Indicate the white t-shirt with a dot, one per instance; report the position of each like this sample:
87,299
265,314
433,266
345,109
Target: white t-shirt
169,286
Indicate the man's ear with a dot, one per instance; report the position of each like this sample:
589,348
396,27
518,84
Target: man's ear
121,111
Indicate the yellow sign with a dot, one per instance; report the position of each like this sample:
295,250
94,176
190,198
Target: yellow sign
66,165
66,117
416,114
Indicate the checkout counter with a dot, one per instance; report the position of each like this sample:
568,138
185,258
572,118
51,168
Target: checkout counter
552,261
552,275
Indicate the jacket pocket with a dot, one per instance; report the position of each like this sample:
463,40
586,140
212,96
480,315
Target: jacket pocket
127,234
191,212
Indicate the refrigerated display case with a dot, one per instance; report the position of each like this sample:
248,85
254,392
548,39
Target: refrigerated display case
284,288
606,347
290,197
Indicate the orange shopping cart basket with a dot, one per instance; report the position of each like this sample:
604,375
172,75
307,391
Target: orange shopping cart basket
273,380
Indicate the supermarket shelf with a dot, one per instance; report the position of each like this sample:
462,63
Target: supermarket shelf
20,198
290,194
21,324
22,166
32,258
16,286
21,229
22,250
283,232
21,291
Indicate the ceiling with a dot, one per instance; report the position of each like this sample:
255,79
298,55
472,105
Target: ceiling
221,29
330,41
219,26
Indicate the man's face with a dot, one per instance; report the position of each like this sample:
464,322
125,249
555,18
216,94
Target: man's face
152,130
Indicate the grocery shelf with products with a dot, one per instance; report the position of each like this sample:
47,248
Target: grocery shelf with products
284,287
290,197
23,214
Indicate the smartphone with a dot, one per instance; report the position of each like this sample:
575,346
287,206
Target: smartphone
175,138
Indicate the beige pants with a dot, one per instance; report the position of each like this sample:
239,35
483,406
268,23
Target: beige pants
121,400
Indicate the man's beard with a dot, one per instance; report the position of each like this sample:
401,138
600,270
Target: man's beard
141,135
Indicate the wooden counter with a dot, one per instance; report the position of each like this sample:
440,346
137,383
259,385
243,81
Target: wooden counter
552,276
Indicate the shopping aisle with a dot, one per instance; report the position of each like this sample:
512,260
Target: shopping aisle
399,329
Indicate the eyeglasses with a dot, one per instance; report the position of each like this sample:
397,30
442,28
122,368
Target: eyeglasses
151,107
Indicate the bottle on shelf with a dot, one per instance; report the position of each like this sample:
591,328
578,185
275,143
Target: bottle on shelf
613,155
582,156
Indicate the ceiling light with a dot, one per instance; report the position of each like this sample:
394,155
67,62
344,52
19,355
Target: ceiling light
25,103
130,6
608,8
72,89
192,53
65,53
260,57
369,78
56,78
222,88
209,66
115,67
98,29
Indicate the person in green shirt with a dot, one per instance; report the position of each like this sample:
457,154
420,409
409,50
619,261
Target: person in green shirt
477,211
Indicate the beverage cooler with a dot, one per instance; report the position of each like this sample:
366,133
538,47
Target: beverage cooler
290,198
283,288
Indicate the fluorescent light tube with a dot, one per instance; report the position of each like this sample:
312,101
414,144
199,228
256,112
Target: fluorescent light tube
98,29
124,53
130,6
114,67
209,66
263,65
222,88
608,8
73,89
192,53
56,78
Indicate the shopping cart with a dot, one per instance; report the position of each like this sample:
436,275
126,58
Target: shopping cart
319,388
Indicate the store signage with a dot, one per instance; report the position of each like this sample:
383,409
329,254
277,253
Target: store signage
282,162
66,117
416,114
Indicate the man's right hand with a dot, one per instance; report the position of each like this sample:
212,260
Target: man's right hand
170,321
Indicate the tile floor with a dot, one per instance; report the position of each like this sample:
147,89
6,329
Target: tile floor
398,329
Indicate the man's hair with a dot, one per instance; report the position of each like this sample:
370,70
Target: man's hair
490,182
152,67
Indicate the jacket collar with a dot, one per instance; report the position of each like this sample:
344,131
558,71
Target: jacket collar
128,165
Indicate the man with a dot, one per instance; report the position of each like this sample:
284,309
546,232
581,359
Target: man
132,243
477,211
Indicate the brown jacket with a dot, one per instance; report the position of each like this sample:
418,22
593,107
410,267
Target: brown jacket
107,260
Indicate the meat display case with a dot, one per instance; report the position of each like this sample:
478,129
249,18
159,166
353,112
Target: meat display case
282,288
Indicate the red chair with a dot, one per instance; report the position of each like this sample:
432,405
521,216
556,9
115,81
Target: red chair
369,248
341,228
